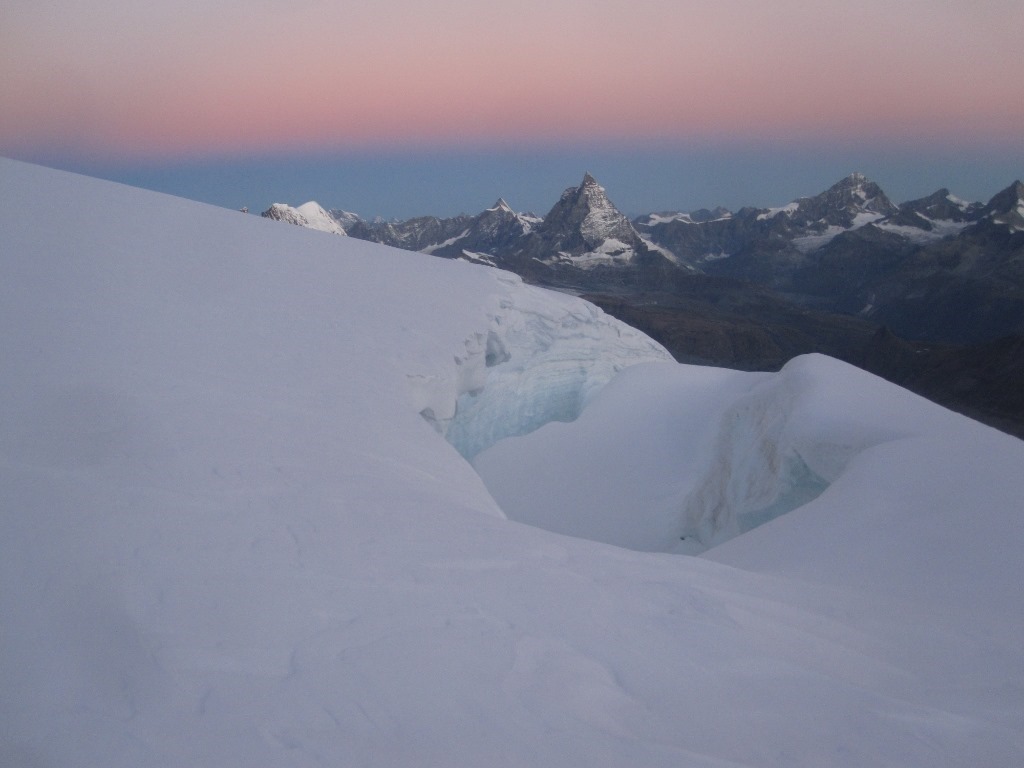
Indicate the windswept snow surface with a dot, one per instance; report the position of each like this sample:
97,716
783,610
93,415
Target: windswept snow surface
230,537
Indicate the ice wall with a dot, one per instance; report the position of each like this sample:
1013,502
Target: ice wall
682,458
541,358
757,471
785,442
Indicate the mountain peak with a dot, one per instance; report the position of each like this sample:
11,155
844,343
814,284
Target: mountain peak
854,195
501,205
310,215
1007,207
585,225
855,180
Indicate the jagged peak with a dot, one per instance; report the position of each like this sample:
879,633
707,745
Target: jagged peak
282,211
501,205
589,190
1007,207
858,192
855,180
1007,198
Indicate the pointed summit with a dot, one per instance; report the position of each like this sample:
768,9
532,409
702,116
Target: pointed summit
1007,207
584,218
941,205
502,206
1008,198
585,229
849,202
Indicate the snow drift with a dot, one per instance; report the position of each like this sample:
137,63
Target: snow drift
231,534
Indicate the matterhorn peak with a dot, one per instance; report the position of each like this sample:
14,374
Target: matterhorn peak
593,193
586,228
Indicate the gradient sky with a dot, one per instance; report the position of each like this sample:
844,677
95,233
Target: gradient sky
399,107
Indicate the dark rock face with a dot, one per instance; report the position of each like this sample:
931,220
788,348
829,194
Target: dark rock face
583,219
585,240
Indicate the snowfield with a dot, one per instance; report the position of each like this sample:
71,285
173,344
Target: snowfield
233,532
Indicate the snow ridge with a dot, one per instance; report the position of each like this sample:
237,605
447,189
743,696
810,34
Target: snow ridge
310,215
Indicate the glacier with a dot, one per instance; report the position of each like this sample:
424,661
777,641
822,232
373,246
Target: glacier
239,527
541,360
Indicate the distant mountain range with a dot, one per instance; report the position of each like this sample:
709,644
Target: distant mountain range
903,289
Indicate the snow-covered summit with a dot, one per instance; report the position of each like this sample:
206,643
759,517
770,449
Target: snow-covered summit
501,206
310,215
585,229
811,222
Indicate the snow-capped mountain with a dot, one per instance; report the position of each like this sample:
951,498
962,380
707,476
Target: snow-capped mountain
851,202
941,206
345,218
311,215
966,287
775,240
1006,209
419,234
931,218
584,229
233,531
489,236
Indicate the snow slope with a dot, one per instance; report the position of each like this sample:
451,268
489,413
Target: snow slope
231,534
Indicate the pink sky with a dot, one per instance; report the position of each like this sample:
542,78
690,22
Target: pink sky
112,77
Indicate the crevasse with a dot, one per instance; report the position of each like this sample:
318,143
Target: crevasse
538,361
